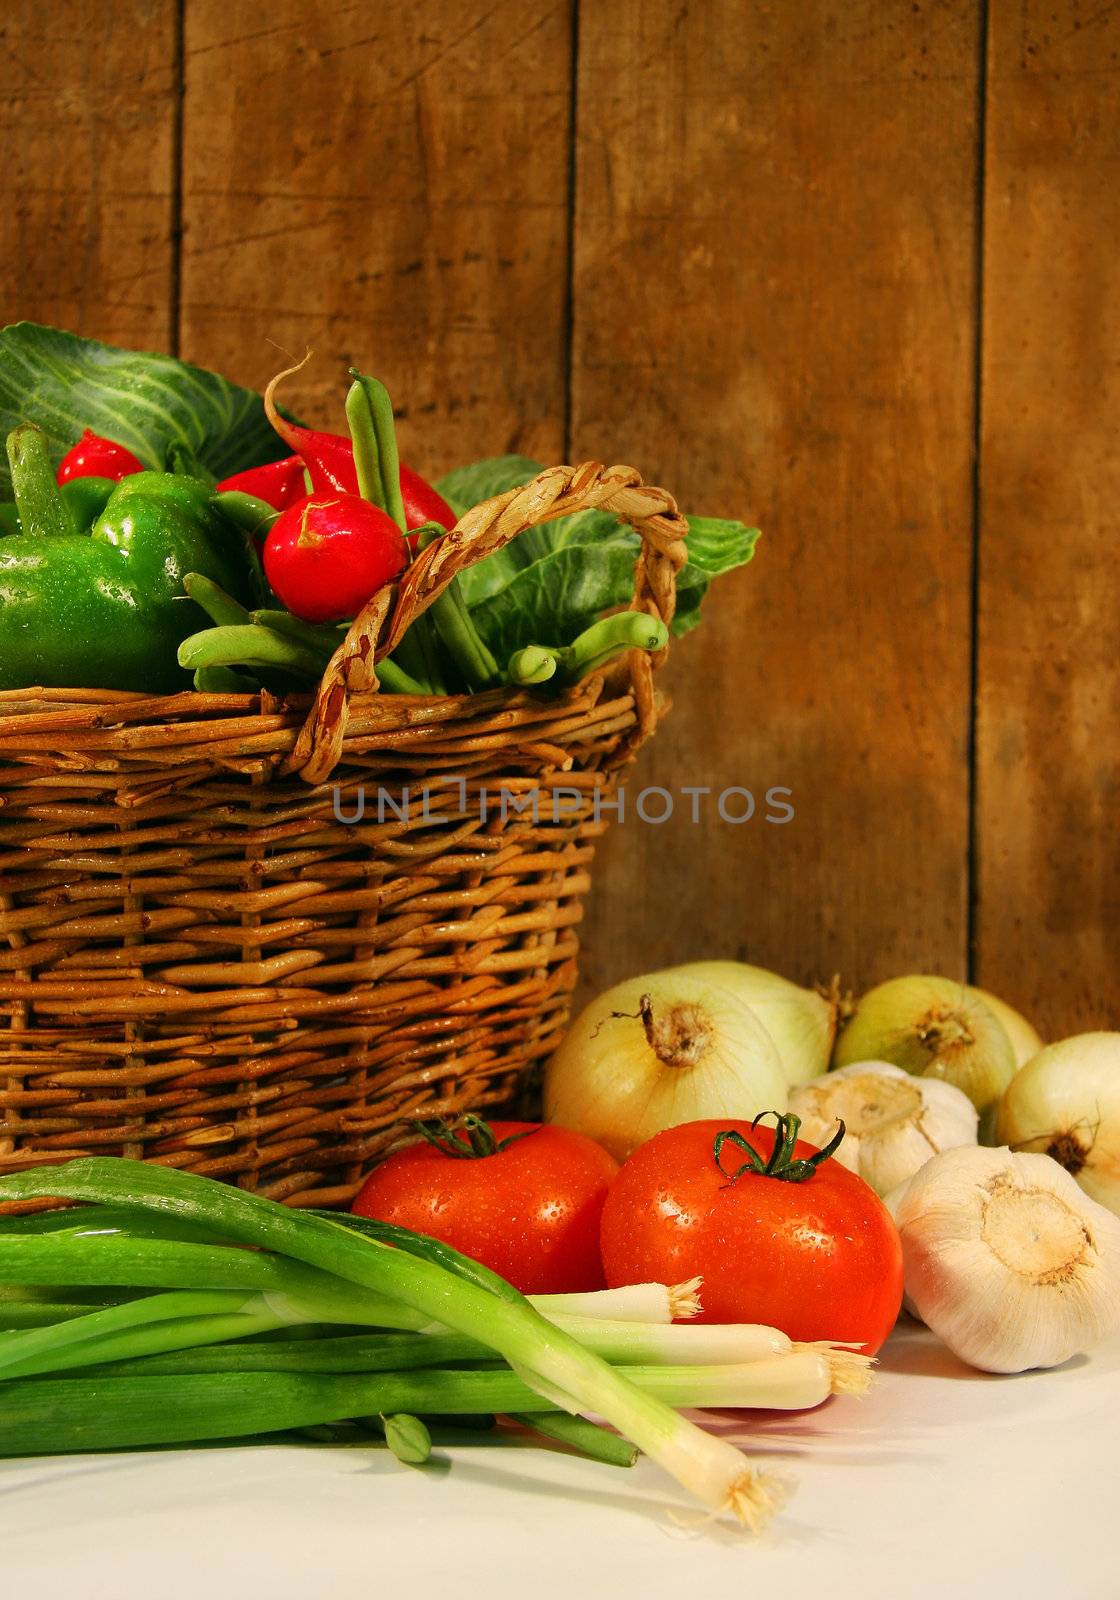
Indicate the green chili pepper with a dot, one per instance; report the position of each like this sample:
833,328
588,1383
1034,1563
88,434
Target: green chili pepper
105,610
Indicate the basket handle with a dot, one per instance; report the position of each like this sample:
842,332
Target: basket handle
556,492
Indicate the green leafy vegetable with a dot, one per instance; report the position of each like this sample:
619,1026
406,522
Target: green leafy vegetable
159,408
556,590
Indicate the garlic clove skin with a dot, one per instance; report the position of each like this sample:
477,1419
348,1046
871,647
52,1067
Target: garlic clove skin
801,1022
1006,1259
1025,1039
1065,1103
894,1123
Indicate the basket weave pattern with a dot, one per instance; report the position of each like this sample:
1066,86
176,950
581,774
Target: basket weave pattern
202,965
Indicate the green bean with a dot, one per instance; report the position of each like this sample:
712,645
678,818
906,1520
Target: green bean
416,655
250,646
219,606
394,680
608,638
369,412
468,650
246,512
533,664
224,680
322,636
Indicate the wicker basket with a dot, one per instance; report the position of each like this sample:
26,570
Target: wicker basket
203,966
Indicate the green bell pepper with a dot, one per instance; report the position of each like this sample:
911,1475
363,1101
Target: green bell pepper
106,609
86,498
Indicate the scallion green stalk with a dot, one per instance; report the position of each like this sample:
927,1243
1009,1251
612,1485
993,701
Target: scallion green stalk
553,1366
579,1434
46,1415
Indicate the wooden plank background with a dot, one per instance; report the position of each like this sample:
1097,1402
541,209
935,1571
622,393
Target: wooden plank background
847,271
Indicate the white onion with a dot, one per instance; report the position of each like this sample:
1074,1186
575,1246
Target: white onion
801,1022
657,1051
935,1028
1025,1041
1065,1103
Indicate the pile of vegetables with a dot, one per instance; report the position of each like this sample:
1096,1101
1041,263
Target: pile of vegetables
193,1311
167,529
998,1159
655,1244
517,1270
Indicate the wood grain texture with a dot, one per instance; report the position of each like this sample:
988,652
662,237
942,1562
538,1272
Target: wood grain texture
1048,908
388,185
87,110
773,314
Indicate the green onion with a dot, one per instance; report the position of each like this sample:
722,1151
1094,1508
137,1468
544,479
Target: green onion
19,1314
47,1415
551,1365
581,1435
629,1343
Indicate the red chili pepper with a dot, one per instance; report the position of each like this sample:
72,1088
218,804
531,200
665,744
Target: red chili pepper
278,483
422,503
326,555
329,459
95,457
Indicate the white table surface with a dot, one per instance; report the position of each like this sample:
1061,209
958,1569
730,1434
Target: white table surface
940,1482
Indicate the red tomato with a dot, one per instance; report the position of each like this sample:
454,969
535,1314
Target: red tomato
95,457
819,1259
529,1211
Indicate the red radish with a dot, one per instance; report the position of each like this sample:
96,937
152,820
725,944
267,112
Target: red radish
95,457
326,555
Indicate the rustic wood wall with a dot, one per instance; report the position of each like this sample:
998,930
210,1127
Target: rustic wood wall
849,271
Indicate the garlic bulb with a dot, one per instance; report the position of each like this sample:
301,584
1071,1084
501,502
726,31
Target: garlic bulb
1006,1259
935,1029
1025,1041
894,1122
656,1051
801,1022
1066,1103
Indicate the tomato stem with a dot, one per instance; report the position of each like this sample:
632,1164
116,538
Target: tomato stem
781,1162
479,1141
